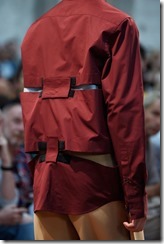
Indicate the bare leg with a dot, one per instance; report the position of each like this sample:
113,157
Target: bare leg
105,223
51,226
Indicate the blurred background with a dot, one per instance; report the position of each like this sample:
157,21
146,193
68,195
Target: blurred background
17,15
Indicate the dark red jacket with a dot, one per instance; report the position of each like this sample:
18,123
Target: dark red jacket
87,42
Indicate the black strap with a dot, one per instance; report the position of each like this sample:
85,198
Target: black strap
42,146
10,168
72,85
63,158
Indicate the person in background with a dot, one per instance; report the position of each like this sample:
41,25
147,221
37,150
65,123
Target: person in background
6,92
152,127
17,81
16,223
156,141
9,59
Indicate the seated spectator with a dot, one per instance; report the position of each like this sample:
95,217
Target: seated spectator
6,93
151,71
155,139
16,223
152,126
16,82
9,59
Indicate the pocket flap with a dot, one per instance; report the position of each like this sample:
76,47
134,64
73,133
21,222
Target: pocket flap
56,88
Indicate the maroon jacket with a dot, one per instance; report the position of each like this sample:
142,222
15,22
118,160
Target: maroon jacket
87,42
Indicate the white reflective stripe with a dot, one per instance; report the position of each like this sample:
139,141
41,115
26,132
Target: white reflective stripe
85,87
80,87
32,90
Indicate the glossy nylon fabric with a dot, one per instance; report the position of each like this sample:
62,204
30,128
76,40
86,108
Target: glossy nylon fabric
97,44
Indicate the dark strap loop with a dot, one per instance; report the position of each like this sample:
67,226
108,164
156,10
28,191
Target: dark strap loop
42,146
72,85
63,158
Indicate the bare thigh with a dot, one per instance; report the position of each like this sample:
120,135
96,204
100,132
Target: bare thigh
52,226
105,223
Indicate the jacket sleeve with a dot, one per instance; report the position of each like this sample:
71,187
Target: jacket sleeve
123,93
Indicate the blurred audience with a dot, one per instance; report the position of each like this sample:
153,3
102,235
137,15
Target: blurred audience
152,127
16,195
151,68
6,93
155,139
8,59
10,72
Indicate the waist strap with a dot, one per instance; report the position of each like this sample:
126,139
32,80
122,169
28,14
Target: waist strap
102,159
60,158
74,88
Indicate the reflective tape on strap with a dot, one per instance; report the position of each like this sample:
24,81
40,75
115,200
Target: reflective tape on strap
86,87
74,88
37,89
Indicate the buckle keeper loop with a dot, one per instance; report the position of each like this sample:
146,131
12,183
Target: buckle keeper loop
72,85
